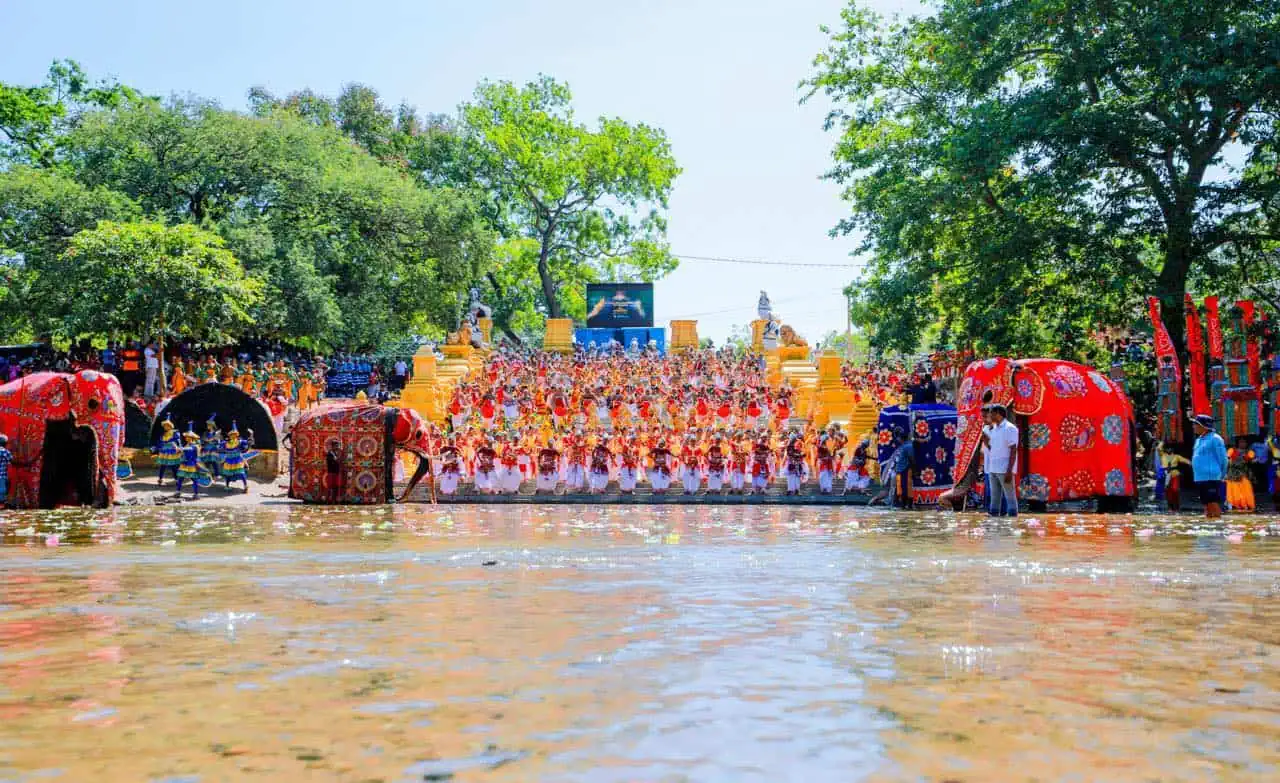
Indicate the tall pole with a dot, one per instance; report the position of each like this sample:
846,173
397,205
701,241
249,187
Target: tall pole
848,327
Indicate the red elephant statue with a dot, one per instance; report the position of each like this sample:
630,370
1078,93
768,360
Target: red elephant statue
65,433
1076,431
363,437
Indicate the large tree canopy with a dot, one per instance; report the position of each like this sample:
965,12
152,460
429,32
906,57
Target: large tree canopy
590,199
353,252
1025,171
166,280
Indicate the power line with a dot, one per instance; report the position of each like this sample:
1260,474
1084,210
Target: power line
761,262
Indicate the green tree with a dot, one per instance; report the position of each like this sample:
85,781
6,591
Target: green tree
592,199
352,250
1025,171
32,119
40,211
149,277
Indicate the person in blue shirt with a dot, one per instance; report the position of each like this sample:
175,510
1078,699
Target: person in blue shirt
1209,465
6,458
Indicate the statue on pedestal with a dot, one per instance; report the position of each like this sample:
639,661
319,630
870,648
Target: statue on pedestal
765,308
475,311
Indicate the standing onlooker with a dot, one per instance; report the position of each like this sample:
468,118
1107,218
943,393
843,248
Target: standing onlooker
1209,465
1002,462
5,458
401,377
152,357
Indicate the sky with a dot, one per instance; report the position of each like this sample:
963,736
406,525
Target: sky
721,78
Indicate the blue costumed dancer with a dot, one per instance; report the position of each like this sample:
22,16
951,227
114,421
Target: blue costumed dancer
191,467
168,450
235,458
211,446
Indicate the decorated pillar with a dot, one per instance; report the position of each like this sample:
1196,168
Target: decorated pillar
1197,368
420,393
1168,379
486,330
834,399
684,336
1240,410
559,335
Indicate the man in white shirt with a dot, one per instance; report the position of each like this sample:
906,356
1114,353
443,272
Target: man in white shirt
1002,461
402,373
152,355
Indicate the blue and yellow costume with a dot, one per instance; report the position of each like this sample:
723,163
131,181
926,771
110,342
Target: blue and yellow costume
190,468
211,446
235,458
168,450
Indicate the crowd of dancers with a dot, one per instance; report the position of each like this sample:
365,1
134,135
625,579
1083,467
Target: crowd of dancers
699,420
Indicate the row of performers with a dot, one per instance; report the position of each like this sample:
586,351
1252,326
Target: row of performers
736,465
613,412
202,458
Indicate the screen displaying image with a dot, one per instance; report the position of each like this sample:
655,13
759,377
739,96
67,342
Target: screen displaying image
618,305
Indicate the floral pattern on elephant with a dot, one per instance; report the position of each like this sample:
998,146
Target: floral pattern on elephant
1077,432
1102,383
928,477
1034,487
968,396
1038,435
1066,381
922,428
1077,485
1113,430
949,430
1115,482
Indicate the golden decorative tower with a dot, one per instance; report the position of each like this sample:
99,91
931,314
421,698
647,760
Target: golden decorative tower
559,335
684,336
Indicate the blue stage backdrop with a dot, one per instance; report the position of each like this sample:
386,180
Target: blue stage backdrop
601,337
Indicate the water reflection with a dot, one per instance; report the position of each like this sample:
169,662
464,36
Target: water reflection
622,644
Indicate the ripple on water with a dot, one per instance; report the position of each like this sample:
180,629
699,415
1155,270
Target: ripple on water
616,644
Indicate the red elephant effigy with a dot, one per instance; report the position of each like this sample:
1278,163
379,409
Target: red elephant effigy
1075,426
364,437
65,433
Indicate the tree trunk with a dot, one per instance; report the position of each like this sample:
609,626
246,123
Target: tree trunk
1171,286
505,325
544,274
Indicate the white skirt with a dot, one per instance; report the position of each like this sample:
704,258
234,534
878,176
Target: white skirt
692,479
627,479
448,483
575,477
659,480
547,482
511,479
486,481
599,481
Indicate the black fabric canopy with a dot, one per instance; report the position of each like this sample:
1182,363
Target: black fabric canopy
137,427
228,404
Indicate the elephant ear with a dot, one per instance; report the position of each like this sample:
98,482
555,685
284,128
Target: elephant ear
1028,392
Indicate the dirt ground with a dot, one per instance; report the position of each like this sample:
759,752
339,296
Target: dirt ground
142,490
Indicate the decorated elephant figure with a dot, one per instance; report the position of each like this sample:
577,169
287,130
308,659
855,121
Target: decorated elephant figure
359,440
65,433
1076,431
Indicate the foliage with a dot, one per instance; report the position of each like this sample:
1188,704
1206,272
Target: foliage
32,118
351,250
171,280
1027,171
580,193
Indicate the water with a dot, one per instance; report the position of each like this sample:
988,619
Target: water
635,644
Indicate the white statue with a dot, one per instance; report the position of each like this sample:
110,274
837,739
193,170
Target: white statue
475,311
765,307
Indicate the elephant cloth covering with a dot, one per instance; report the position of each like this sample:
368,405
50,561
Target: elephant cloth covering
935,446
362,435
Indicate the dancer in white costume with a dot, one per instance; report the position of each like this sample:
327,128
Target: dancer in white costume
600,458
660,476
548,470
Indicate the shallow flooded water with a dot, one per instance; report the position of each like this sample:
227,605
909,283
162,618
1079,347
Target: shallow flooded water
635,644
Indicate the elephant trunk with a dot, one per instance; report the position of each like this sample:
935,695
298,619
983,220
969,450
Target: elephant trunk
424,467
955,496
